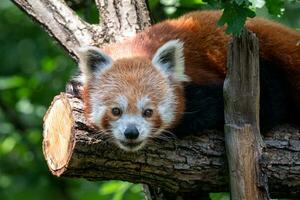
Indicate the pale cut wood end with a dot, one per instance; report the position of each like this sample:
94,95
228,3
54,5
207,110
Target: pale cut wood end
58,140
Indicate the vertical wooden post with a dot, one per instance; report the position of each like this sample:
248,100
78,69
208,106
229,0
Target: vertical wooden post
243,141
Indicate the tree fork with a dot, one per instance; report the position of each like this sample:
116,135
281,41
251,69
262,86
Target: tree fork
119,19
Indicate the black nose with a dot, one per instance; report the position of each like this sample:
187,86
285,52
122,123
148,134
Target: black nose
131,132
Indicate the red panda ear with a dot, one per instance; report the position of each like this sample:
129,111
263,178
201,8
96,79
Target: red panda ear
169,59
93,60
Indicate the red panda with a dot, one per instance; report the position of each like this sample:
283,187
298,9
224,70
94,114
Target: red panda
138,88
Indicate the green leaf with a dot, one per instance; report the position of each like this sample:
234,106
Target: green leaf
275,7
235,16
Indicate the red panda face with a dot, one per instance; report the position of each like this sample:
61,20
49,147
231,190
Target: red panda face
133,99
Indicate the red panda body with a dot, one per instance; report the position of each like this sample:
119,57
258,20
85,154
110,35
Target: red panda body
202,62
205,46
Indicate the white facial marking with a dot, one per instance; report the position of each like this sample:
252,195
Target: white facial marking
97,114
121,124
166,108
123,102
141,145
98,108
142,103
80,78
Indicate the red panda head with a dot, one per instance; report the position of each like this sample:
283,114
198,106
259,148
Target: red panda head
134,98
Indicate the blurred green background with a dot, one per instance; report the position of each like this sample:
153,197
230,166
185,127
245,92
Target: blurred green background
33,69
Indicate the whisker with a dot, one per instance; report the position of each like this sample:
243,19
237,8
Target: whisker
154,141
165,133
188,112
164,136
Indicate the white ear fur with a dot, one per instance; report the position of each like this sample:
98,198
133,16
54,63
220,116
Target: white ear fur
92,60
169,59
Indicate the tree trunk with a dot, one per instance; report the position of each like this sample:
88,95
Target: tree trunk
243,141
73,148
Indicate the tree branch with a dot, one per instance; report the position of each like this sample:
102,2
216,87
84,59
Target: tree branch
60,22
73,148
119,19
122,19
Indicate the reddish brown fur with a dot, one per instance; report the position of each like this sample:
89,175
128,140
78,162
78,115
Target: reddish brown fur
86,99
205,51
133,78
205,46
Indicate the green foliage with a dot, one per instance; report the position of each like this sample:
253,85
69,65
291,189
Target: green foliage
117,190
33,69
235,12
275,7
235,15
219,196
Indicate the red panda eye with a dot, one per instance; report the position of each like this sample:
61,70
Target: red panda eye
116,112
147,113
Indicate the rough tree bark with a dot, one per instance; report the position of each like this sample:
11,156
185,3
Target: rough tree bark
73,148
119,19
244,144
196,163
